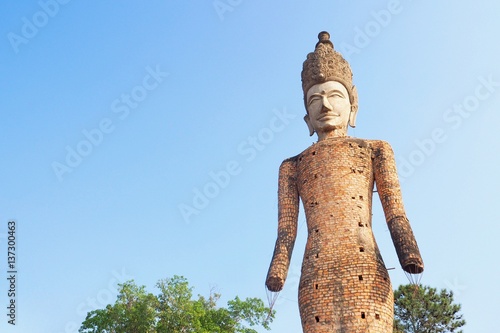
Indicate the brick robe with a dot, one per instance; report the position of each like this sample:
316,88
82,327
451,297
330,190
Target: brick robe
344,285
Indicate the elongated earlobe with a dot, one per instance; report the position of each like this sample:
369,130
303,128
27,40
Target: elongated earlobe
354,107
309,126
352,116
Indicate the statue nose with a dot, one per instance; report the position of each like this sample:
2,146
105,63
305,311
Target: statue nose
326,106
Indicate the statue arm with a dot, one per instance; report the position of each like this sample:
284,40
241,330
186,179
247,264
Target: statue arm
288,211
386,178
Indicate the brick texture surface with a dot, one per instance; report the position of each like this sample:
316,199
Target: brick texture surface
344,285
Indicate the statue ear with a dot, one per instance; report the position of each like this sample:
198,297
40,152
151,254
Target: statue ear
309,125
352,116
354,107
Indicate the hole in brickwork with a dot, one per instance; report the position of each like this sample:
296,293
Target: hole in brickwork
353,198
317,230
361,197
360,224
317,319
314,153
317,255
315,176
363,316
377,316
360,277
316,286
361,249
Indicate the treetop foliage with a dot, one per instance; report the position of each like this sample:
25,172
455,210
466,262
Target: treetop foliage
422,309
174,310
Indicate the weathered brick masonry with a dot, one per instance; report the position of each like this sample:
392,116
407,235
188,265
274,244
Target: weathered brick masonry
344,286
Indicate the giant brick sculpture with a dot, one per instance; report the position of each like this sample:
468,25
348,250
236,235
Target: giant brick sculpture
344,285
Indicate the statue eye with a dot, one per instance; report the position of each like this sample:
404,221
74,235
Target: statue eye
314,99
336,94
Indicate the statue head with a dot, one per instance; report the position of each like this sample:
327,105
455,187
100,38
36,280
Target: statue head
330,98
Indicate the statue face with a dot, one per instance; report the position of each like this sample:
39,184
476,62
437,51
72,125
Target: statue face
328,108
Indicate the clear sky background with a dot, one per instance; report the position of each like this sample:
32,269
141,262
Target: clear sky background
175,93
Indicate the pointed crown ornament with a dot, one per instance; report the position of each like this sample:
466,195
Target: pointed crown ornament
326,64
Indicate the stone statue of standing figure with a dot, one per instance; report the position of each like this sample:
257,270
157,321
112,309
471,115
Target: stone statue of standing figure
344,285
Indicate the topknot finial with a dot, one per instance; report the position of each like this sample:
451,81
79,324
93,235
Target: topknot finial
324,38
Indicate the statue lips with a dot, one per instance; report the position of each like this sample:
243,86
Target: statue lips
328,116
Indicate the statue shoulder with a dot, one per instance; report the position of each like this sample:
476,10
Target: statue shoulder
380,147
289,165
380,144
291,161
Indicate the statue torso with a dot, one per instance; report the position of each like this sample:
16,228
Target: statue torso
335,182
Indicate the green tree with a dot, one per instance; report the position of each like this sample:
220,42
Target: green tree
421,309
174,310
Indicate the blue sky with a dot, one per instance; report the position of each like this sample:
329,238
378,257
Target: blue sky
163,100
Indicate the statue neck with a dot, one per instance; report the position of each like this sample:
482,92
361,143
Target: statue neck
333,134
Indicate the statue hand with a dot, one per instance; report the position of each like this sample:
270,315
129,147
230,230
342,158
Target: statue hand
275,283
414,267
